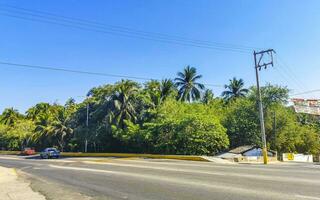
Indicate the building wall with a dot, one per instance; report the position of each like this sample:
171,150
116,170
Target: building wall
256,152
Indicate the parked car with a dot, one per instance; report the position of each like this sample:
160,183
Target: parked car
50,153
27,151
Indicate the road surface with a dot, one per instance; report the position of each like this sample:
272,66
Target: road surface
140,179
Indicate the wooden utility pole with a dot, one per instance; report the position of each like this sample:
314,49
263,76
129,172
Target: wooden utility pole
258,62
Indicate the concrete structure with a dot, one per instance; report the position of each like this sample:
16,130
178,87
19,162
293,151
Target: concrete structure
297,157
247,153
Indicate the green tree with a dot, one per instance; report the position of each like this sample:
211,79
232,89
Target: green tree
208,96
235,89
59,129
17,136
270,95
189,88
242,123
186,129
167,89
123,102
153,90
10,116
39,109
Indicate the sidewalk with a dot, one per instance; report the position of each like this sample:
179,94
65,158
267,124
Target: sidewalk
12,188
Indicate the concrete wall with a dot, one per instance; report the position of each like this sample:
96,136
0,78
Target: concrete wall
254,159
297,157
256,152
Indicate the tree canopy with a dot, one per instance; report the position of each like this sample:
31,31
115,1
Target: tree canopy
177,116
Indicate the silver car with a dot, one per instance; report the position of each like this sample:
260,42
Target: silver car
50,153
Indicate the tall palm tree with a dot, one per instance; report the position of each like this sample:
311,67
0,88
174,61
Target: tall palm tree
10,116
123,102
38,109
189,88
59,128
235,89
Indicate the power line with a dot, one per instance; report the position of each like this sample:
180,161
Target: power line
85,72
306,92
289,78
121,28
289,72
119,31
129,36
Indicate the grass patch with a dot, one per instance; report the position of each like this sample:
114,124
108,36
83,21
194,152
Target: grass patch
10,152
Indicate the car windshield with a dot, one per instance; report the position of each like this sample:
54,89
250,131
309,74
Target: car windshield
50,149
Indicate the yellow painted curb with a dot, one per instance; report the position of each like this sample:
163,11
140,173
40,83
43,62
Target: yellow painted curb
121,155
132,156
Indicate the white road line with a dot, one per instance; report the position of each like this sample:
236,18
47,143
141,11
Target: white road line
307,197
222,166
59,161
227,189
10,158
253,176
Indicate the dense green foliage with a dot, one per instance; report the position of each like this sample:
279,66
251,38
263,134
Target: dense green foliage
167,117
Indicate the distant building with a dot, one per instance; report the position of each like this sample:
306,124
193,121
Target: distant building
246,153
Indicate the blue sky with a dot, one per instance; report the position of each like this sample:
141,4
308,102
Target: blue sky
291,27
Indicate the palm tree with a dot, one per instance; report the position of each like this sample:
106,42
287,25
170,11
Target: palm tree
152,88
59,129
37,110
10,116
123,102
234,89
207,96
189,88
167,87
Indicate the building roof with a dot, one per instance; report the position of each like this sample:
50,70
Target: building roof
228,155
242,149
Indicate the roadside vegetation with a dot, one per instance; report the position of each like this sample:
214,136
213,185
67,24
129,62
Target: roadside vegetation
178,116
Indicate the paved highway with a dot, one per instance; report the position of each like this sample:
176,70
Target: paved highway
166,179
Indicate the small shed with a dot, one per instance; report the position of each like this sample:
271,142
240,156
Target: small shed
247,153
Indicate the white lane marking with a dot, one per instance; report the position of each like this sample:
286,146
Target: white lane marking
236,189
307,197
223,166
60,161
254,176
10,158
41,160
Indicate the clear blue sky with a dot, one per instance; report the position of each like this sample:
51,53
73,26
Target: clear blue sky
291,27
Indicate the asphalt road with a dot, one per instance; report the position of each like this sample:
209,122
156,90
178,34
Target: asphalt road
166,179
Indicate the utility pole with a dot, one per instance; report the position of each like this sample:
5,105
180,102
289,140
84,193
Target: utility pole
274,124
87,125
258,65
